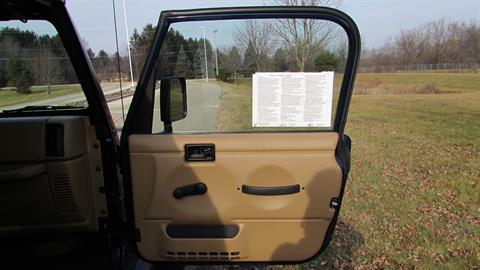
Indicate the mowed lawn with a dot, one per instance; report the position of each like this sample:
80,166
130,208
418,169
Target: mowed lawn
8,95
413,196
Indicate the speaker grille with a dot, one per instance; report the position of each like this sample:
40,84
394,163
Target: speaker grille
203,255
64,199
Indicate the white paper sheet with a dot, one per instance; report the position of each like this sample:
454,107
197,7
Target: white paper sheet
292,99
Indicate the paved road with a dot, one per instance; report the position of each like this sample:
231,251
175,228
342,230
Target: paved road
203,100
107,88
116,110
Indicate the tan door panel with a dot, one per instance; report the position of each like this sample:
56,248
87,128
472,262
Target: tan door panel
288,227
49,181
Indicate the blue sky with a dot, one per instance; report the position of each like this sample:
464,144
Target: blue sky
378,20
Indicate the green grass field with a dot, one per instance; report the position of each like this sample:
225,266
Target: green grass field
8,95
413,195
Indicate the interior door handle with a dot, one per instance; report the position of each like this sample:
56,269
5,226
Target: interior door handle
270,191
190,190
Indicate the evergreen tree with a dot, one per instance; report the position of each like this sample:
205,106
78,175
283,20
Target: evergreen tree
182,65
19,75
103,65
326,61
280,63
249,63
224,67
199,63
3,77
190,49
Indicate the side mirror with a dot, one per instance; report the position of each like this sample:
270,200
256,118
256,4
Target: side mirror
173,101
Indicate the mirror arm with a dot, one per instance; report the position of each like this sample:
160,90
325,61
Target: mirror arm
165,102
167,128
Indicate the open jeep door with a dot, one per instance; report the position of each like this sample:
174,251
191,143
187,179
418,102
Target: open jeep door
252,166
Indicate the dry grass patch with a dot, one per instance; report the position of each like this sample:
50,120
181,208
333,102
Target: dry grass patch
413,195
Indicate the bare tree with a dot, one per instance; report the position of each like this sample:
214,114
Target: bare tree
438,33
259,35
431,44
407,46
471,42
303,38
454,50
48,66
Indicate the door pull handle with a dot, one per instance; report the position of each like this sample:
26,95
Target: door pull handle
270,191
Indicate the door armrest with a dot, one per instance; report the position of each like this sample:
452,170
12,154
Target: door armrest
12,172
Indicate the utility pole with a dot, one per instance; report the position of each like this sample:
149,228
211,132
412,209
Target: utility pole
128,43
205,50
118,59
216,51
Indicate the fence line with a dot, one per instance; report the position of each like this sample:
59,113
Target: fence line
440,67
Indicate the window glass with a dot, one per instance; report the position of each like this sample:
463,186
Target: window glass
255,75
35,69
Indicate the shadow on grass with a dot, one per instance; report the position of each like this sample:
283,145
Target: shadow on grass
339,254
36,92
14,91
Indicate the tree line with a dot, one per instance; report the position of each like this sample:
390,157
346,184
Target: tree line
260,45
303,45
106,65
254,49
286,45
31,59
185,57
179,56
436,42
27,58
